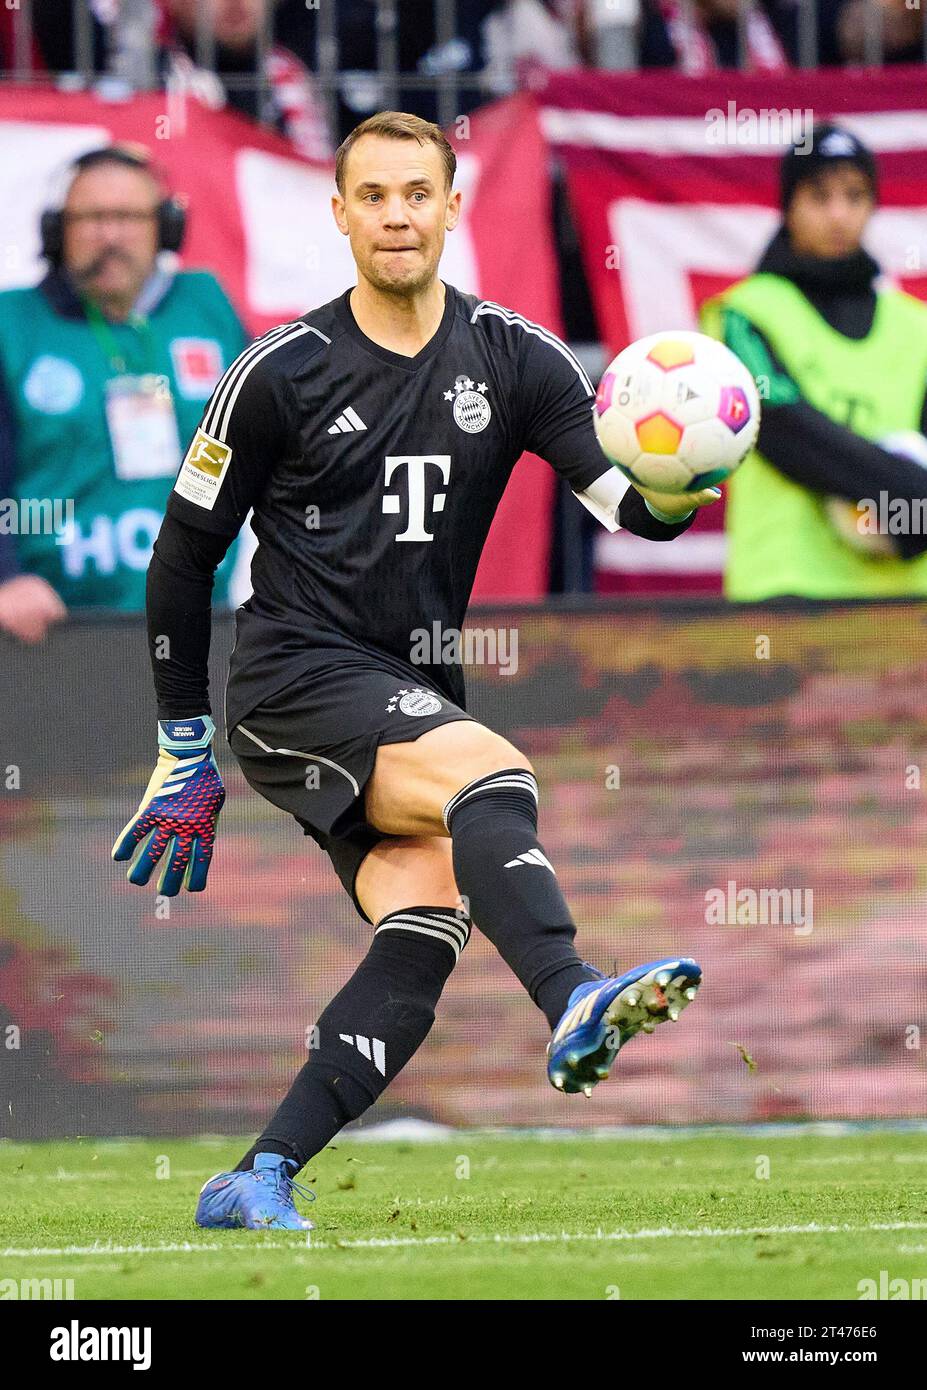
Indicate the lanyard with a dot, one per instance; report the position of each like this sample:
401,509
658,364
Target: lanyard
108,345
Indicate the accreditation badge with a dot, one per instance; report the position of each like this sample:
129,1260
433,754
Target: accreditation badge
142,427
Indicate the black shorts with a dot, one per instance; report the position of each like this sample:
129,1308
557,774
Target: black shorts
311,748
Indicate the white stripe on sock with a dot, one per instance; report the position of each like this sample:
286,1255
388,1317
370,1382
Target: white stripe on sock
428,931
521,781
459,930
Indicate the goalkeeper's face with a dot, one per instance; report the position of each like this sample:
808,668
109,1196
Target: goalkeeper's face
396,211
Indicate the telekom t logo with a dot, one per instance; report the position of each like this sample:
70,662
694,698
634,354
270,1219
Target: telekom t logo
415,464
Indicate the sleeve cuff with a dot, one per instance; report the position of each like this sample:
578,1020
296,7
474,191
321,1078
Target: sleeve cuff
602,496
186,735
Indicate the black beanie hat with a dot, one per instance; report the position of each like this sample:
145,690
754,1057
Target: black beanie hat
829,144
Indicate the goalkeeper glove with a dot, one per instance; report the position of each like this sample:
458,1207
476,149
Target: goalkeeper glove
176,817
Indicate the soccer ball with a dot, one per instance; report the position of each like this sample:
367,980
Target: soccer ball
676,412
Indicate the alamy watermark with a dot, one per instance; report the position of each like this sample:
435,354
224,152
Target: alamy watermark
474,646
33,1290
37,516
747,907
764,125
84,1343
891,516
892,1289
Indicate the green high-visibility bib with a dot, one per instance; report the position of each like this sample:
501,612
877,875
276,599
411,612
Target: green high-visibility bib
780,540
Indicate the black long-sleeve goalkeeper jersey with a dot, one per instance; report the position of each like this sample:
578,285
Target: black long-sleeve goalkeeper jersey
374,478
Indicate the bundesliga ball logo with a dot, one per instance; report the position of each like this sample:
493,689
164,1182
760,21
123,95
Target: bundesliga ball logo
471,408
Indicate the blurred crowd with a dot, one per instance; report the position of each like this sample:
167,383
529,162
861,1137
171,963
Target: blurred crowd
265,58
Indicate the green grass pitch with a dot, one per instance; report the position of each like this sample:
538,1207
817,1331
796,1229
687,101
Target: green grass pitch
496,1216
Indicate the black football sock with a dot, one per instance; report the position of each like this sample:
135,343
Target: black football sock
553,992
510,887
368,1032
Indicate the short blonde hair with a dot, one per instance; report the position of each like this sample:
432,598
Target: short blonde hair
397,125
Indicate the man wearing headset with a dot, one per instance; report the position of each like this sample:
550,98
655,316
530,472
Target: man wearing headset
104,370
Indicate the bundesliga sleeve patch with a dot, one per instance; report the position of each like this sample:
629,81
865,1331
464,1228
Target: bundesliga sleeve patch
202,471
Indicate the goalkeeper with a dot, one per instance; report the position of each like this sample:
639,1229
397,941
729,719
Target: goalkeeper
374,438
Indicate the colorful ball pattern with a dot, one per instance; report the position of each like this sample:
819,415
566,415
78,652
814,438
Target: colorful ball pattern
676,412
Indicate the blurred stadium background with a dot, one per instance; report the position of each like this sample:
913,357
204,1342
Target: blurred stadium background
675,758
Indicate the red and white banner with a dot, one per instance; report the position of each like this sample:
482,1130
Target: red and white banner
674,182
260,218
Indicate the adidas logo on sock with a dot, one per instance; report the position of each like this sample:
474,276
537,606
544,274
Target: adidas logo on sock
363,1046
347,423
532,856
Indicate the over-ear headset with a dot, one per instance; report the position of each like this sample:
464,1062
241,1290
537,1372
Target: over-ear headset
170,212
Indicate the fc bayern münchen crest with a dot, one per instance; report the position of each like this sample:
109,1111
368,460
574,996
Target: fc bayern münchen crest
414,702
471,408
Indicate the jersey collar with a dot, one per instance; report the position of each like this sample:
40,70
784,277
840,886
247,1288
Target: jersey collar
396,359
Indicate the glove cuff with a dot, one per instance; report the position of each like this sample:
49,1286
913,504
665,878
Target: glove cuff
181,736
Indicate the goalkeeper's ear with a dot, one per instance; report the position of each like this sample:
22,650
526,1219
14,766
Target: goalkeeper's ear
452,213
341,222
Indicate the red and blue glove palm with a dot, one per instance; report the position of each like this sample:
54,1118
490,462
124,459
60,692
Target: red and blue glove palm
176,818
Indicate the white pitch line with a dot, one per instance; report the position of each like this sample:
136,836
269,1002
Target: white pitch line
813,1228
185,1248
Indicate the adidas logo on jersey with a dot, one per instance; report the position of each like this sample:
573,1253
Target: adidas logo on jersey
347,423
363,1046
532,856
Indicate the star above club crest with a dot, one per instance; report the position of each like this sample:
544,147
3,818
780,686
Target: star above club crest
448,395
468,384
481,387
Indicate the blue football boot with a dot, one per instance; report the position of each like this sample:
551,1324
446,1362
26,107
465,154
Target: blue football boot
258,1198
602,1015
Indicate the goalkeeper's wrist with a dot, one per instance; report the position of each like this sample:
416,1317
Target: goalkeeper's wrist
181,736
669,520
